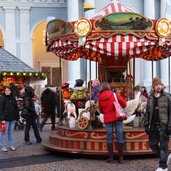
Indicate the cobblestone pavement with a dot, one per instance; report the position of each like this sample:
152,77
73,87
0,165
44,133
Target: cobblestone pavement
71,163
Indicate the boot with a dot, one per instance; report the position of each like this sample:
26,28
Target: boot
120,152
110,153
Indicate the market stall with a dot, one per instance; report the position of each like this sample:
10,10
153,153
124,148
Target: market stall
14,71
111,37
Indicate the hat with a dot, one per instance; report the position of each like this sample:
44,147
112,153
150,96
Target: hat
156,81
95,82
65,85
79,83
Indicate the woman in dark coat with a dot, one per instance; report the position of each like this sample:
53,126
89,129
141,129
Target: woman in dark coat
106,106
9,113
31,115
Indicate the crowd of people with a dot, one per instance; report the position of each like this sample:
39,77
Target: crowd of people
51,103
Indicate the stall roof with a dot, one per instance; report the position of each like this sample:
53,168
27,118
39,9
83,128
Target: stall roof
9,62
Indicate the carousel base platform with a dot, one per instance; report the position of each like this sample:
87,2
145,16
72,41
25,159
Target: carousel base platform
93,141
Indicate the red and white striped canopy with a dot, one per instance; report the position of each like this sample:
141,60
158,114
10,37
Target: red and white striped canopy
113,7
115,46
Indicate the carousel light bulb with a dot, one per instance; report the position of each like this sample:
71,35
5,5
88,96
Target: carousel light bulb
30,74
163,39
24,73
11,73
18,73
4,73
36,74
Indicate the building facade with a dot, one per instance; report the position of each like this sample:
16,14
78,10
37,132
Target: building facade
23,23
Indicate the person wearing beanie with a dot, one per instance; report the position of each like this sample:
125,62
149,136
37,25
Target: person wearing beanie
65,91
158,122
79,90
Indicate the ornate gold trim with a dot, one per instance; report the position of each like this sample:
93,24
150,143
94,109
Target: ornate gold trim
130,136
82,27
84,134
163,27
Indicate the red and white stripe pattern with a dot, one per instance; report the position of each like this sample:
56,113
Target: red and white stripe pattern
119,45
116,46
113,7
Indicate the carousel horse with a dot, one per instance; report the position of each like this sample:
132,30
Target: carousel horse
131,107
70,114
136,108
90,115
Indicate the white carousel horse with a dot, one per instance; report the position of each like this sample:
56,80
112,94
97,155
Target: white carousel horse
136,107
97,119
86,112
70,110
131,107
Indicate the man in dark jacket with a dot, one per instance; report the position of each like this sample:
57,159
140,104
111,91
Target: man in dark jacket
48,104
158,122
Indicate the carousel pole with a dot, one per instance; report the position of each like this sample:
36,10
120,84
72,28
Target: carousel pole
152,63
152,66
169,72
96,68
90,87
60,92
133,74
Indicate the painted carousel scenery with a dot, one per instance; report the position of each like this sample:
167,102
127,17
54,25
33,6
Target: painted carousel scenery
123,21
56,28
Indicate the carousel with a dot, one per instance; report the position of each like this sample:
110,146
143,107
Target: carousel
112,37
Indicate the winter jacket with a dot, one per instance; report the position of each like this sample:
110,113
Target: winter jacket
106,106
66,94
79,93
164,109
48,101
94,93
28,104
8,108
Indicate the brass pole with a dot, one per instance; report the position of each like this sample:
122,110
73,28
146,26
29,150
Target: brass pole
169,72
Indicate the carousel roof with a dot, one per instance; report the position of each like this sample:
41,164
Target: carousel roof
116,31
9,62
113,7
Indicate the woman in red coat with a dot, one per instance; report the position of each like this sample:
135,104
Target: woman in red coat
106,106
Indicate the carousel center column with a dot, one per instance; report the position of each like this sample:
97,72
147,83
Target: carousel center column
10,31
25,38
73,66
164,63
149,12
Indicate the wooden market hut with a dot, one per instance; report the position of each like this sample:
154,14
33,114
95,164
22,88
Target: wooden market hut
13,70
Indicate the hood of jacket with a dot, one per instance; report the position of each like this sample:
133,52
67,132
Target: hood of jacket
105,95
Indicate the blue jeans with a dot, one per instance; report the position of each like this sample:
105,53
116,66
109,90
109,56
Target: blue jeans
8,133
119,134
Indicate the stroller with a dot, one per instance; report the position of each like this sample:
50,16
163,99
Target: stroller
19,125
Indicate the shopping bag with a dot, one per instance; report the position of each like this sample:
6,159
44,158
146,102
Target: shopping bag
3,126
120,114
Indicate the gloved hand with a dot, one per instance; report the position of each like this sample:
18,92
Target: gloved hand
147,130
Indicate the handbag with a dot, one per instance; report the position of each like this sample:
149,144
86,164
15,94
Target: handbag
3,126
120,114
24,113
